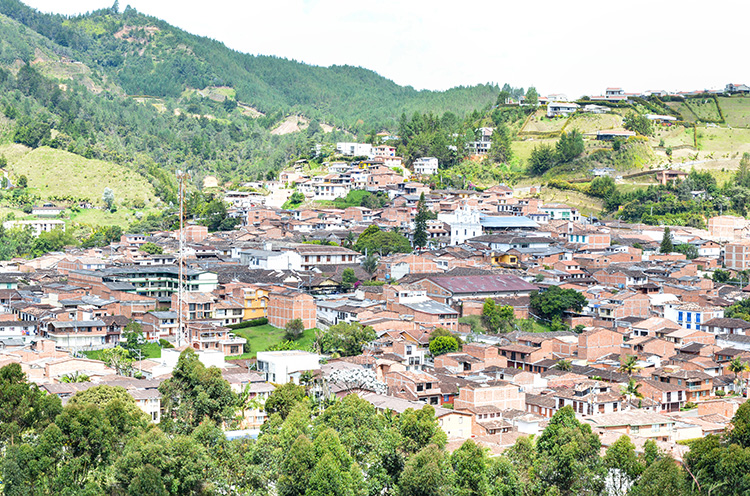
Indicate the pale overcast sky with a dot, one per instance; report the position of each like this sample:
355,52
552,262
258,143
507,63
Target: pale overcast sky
578,47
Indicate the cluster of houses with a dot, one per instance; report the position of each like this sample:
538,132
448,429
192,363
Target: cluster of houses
500,244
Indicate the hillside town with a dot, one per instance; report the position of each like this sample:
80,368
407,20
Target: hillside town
647,351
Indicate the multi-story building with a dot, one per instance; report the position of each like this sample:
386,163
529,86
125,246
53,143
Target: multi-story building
692,315
205,336
464,224
280,367
737,255
286,305
425,166
325,256
482,143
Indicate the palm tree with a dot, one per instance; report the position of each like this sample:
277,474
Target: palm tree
370,264
565,365
737,366
629,365
631,391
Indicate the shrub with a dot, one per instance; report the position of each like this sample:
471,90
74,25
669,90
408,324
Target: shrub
249,323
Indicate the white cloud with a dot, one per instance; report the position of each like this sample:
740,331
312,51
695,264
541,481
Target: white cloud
574,48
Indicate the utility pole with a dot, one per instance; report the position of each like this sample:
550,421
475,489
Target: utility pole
181,176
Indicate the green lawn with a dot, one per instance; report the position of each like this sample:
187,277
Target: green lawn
123,217
263,337
54,172
150,350
736,110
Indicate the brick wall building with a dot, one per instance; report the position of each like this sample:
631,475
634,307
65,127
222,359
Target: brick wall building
284,306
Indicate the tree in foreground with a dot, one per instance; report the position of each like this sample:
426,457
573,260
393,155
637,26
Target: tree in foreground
443,344
568,457
420,223
623,466
554,302
666,242
195,393
294,329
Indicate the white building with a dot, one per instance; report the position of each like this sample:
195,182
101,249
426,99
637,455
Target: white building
354,149
464,224
426,166
330,191
37,226
281,367
271,259
692,315
483,141
564,109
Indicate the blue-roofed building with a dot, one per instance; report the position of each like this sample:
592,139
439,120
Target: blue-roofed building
507,223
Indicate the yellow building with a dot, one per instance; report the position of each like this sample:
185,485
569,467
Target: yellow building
504,259
255,302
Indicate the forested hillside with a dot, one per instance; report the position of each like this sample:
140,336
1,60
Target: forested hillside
146,56
130,89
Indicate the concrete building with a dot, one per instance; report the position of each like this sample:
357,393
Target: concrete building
354,149
561,109
280,367
465,223
37,226
737,255
425,166
284,306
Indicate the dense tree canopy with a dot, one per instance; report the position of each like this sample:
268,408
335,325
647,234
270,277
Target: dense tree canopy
554,301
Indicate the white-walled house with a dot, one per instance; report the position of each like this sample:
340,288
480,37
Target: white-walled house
464,224
280,367
271,259
425,166
555,109
354,149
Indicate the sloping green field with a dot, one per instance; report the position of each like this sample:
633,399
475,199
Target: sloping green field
736,110
52,172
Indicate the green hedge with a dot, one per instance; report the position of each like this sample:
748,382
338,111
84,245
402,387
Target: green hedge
249,323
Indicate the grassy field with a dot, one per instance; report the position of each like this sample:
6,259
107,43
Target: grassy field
96,217
703,108
724,141
522,149
263,337
736,110
590,123
673,136
55,172
540,123
585,204
685,111
150,350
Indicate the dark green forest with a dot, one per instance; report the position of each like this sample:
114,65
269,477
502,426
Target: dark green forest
101,443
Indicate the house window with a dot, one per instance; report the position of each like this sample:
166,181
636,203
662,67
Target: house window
697,319
679,316
420,387
689,317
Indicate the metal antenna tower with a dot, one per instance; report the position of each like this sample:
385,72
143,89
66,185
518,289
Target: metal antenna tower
181,176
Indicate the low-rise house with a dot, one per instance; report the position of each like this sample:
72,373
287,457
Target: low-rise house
414,386
589,398
727,326
671,397
425,166
561,109
637,423
698,384
280,367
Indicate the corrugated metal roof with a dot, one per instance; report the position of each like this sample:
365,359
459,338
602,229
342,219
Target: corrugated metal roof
484,284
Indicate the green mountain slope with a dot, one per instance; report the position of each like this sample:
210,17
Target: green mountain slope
130,89
146,56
